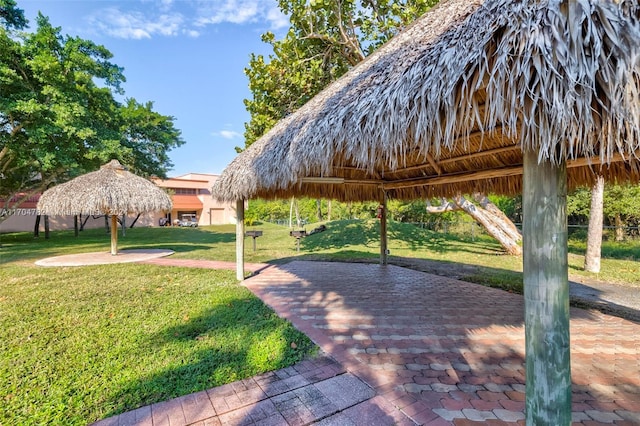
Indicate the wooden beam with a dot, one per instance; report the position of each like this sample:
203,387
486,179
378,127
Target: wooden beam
323,180
454,178
433,164
340,181
240,240
546,293
480,154
489,173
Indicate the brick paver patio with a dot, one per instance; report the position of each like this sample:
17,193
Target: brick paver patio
409,347
444,351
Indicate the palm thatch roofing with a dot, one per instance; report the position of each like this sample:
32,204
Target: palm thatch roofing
450,104
109,191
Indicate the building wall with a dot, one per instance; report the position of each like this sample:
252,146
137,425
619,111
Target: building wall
211,212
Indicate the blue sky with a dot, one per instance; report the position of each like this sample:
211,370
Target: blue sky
186,56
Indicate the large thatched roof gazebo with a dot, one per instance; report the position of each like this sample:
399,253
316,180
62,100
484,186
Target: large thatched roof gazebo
111,191
530,97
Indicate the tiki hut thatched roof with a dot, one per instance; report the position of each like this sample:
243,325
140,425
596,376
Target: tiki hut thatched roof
109,191
450,104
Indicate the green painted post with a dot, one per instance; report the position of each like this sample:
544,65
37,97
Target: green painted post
546,293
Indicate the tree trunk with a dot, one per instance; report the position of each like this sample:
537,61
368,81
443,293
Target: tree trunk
491,223
138,217
36,227
83,222
319,209
329,210
506,233
501,219
76,231
106,223
594,236
445,206
46,227
619,227
297,212
291,213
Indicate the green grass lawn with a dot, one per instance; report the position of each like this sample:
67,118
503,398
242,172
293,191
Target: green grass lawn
82,343
79,344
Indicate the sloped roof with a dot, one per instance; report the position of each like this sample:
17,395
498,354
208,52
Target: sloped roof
449,105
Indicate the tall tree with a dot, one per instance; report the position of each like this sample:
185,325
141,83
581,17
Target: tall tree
11,16
58,113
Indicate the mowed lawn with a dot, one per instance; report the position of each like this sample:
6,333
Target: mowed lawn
78,344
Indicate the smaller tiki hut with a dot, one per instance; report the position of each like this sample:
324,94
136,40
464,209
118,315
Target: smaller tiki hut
111,191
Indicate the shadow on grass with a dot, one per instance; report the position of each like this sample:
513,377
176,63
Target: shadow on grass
23,246
344,233
229,342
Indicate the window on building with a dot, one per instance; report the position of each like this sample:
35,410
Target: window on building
185,191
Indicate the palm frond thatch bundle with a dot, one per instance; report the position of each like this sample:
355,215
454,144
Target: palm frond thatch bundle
109,191
450,104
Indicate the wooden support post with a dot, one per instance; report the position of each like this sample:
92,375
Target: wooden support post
240,240
114,234
546,293
383,230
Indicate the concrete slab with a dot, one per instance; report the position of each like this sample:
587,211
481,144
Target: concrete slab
104,258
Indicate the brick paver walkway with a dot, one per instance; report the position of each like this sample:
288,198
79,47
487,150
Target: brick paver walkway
409,347
445,351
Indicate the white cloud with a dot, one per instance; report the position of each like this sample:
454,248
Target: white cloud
277,19
148,18
228,134
241,12
136,25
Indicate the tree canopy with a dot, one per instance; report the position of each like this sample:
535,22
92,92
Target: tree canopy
59,112
620,201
